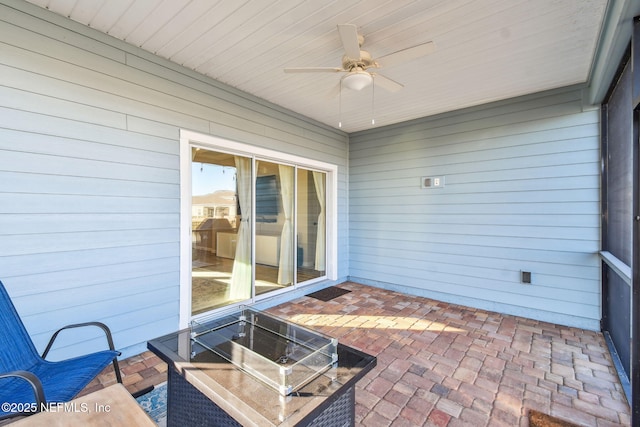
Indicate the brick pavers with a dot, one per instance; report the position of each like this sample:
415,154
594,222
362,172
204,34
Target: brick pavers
442,364
138,372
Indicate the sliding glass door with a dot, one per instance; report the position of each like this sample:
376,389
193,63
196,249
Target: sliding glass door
257,226
311,222
221,271
274,225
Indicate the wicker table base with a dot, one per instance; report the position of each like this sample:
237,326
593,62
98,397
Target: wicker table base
187,406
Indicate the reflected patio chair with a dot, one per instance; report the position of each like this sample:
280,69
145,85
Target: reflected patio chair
28,382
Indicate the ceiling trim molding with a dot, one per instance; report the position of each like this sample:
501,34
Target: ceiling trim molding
614,39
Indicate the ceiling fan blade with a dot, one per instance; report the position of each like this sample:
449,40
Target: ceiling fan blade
406,55
333,92
386,83
313,70
349,37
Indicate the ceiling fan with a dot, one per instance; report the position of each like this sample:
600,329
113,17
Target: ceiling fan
356,63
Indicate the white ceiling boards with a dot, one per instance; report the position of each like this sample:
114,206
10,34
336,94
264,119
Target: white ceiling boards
485,50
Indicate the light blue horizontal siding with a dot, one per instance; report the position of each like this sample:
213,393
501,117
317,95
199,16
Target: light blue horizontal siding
90,180
521,193
80,262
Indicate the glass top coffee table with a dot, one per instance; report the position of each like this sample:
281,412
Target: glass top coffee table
282,355
252,368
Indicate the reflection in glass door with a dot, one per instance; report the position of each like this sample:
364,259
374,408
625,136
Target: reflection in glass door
311,223
221,271
239,201
274,240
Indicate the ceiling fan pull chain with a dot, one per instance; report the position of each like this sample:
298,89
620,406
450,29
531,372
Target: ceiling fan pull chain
373,101
340,107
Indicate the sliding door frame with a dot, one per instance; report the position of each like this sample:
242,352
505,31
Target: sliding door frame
209,142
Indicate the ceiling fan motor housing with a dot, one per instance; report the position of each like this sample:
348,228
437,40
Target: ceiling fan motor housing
365,61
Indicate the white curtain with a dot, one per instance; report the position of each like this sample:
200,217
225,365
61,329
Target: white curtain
285,270
240,286
319,181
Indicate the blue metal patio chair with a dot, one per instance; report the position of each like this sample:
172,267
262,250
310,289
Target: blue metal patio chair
28,382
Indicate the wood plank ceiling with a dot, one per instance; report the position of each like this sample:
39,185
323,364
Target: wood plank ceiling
486,50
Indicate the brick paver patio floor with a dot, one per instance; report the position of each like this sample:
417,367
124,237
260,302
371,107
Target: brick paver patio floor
442,364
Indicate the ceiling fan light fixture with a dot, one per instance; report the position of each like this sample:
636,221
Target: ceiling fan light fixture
357,80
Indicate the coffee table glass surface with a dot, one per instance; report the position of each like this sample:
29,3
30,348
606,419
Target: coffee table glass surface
282,355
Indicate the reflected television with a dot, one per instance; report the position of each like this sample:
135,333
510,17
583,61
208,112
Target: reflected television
267,197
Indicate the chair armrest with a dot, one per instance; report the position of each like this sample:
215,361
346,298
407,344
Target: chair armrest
33,381
102,326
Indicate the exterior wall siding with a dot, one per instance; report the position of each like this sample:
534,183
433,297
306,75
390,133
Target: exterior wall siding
89,175
521,194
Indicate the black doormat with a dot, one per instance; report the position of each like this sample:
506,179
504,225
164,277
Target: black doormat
329,293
